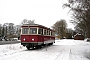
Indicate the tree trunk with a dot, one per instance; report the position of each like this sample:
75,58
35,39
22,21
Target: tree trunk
88,34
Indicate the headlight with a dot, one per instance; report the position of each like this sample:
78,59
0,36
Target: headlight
24,39
32,39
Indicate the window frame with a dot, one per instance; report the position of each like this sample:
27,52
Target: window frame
24,28
41,33
36,30
45,31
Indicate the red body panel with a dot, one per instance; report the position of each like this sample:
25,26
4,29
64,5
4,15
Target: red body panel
37,38
30,38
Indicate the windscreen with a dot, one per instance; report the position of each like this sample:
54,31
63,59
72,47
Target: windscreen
33,31
25,30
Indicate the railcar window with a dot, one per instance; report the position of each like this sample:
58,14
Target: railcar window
25,30
44,32
33,30
40,31
51,33
47,32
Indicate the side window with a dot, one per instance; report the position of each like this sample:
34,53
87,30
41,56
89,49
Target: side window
25,30
51,33
40,31
44,32
47,32
33,30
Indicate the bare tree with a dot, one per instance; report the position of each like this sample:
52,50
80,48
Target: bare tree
31,21
0,29
80,14
17,28
69,33
8,30
60,28
25,21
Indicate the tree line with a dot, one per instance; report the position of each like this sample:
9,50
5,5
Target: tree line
10,30
61,30
80,15
80,10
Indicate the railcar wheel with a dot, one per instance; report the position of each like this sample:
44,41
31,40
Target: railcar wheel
51,43
28,47
38,47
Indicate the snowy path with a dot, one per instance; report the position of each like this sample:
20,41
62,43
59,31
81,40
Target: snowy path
43,54
61,50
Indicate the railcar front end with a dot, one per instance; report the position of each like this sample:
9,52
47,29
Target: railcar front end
33,36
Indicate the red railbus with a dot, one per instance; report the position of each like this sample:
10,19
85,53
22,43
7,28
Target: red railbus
35,35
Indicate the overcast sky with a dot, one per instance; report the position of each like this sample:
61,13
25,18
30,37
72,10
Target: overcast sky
44,12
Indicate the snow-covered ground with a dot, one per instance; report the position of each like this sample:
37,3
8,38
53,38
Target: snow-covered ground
61,50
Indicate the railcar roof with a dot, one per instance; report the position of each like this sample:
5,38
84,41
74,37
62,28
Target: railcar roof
31,25
35,25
